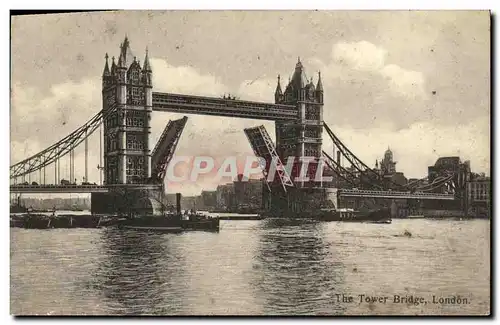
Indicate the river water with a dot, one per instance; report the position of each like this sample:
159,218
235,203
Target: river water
265,267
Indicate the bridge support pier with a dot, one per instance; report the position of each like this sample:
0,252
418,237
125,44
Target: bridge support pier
128,202
296,202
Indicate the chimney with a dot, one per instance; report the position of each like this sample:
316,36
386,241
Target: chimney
178,202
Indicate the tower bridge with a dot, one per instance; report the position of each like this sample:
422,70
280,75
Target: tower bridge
133,169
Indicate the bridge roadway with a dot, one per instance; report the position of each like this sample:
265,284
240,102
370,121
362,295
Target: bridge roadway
105,189
201,105
395,195
78,188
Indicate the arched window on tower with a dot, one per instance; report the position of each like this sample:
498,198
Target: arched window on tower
135,95
311,93
134,74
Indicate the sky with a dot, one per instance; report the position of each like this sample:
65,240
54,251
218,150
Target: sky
415,81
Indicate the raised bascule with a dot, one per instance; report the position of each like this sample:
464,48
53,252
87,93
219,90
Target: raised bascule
134,171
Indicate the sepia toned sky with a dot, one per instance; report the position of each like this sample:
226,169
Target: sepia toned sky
416,81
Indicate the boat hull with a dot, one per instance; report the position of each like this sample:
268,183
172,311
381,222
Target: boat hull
18,209
382,216
170,230
172,221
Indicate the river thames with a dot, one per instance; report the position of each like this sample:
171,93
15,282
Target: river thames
265,267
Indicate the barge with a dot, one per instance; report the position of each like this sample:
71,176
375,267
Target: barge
44,221
379,215
174,230
164,222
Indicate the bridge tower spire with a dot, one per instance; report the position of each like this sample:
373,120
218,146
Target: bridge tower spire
127,155
278,93
146,66
106,71
319,89
147,71
106,74
147,81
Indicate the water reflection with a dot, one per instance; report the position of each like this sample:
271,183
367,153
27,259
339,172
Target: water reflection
136,274
265,267
297,275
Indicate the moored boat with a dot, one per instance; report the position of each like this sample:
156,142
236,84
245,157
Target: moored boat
18,209
200,222
171,223
154,228
379,215
37,221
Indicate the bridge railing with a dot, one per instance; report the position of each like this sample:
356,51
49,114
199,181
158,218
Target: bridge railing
83,186
211,101
56,186
394,193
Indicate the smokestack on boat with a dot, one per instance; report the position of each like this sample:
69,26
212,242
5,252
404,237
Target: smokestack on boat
178,202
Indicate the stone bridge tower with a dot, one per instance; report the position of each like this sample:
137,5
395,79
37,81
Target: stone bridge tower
128,87
302,137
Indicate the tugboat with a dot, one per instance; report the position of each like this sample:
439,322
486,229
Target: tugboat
172,222
197,221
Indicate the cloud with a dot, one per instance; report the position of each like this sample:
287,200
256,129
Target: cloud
349,60
362,55
65,103
406,82
184,79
